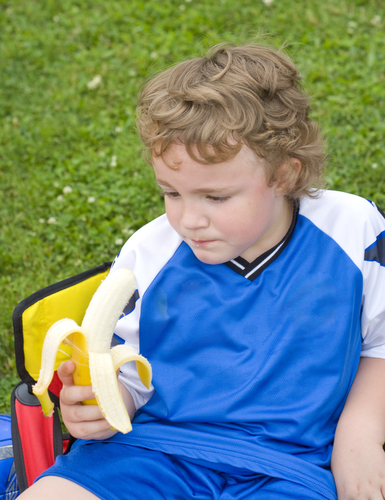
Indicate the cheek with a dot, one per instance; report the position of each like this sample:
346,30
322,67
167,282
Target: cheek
241,230
172,213
238,215
232,223
246,220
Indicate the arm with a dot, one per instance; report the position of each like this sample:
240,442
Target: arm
85,421
358,459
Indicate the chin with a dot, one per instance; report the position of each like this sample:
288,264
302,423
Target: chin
208,258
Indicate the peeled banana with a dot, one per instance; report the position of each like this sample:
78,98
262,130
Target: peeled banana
96,363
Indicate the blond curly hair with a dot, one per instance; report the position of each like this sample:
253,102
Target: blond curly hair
235,95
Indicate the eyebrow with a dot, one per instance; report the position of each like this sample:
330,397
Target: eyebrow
211,190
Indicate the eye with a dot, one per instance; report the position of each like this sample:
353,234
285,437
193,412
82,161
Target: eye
171,194
218,199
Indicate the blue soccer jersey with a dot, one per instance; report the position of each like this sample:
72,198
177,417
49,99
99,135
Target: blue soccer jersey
252,362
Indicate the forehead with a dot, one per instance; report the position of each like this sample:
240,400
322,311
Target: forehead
176,165
177,156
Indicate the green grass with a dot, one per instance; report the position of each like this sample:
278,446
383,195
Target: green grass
56,132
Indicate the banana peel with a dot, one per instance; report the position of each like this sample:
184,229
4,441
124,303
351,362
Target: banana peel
96,362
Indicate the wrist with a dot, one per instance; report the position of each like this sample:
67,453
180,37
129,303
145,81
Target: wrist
352,428
127,399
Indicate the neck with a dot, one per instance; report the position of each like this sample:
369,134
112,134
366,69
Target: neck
277,231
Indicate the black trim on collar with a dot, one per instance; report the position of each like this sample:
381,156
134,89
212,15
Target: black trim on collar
251,270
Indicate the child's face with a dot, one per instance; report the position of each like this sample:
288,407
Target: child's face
222,210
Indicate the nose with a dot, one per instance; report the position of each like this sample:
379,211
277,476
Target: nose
193,217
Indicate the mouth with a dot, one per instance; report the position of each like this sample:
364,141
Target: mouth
201,243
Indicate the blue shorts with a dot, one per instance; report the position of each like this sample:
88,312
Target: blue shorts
114,471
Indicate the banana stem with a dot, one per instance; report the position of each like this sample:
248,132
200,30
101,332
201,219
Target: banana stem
46,404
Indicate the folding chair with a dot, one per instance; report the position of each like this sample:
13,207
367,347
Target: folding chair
37,439
9,488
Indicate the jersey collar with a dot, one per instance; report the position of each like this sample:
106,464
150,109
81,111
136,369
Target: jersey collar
251,270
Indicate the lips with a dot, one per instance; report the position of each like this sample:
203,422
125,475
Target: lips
201,243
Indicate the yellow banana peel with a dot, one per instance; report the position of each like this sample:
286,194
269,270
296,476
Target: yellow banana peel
96,362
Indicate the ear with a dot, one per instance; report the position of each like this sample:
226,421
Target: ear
287,176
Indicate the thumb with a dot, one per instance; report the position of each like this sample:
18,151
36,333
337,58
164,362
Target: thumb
65,373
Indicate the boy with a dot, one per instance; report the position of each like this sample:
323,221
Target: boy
259,298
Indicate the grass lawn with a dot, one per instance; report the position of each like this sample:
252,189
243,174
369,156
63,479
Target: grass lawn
73,182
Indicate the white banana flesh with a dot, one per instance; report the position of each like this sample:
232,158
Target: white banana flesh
96,363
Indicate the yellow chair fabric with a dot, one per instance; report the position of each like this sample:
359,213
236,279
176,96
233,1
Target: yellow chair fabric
34,315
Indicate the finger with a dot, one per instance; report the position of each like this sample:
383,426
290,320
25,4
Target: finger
86,421
99,429
103,434
75,394
65,373
84,413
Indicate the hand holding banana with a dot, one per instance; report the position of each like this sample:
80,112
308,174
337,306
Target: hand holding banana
96,363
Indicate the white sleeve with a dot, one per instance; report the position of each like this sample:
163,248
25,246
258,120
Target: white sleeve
358,227
145,253
373,305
